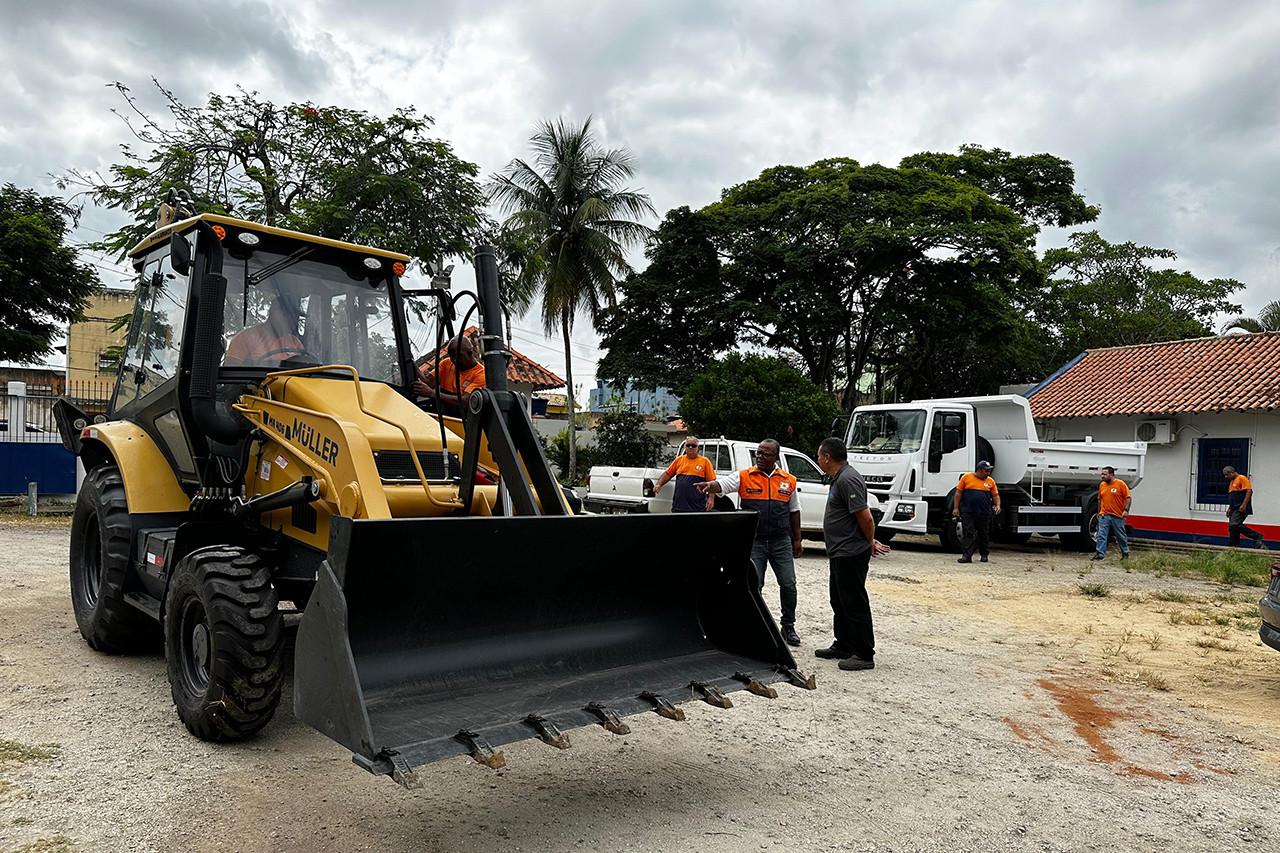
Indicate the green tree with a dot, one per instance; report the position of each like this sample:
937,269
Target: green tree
337,173
42,285
570,206
623,440
1103,294
680,293
1268,320
755,397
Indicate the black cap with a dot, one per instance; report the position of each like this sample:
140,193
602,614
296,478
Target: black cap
982,463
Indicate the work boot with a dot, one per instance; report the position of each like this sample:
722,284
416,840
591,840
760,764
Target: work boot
832,652
965,560
789,634
853,663
1260,541
1096,557
984,559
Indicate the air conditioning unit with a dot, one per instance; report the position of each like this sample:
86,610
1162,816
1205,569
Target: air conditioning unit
1156,432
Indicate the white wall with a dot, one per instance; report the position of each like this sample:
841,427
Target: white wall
1165,499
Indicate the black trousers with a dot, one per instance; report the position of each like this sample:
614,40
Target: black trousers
1235,526
976,533
851,606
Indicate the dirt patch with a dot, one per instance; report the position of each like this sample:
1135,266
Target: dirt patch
951,743
1199,642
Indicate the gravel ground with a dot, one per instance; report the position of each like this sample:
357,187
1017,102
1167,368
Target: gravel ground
1007,712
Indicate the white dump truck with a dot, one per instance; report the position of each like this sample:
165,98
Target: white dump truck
913,454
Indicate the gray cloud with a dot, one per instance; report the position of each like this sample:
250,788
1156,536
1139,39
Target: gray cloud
1168,110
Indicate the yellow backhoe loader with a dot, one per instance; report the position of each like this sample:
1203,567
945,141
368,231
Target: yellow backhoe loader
263,468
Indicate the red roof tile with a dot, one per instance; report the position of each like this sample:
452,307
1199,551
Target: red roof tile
1229,373
520,368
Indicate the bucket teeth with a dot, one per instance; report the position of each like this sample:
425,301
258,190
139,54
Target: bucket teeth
663,706
754,686
808,682
710,694
608,718
481,750
402,773
547,731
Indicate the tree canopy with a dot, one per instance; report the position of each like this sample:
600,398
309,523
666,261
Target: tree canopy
338,173
752,397
42,284
897,283
1102,294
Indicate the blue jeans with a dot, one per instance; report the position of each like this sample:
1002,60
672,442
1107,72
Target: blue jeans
1108,524
779,552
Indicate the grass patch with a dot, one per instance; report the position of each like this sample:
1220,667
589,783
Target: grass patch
1154,680
1239,568
1207,643
22,821
1094,590
19,753
60,844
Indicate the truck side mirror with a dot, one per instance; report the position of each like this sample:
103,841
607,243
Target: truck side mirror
838,426
950,440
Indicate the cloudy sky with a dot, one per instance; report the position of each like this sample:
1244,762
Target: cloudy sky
1167,109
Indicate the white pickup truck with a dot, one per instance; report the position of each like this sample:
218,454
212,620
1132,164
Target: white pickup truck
624,490
913,454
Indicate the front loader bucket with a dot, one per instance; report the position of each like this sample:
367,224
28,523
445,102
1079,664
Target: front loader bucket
429,638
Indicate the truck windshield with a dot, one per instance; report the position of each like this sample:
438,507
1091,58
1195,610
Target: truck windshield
896,431
308,313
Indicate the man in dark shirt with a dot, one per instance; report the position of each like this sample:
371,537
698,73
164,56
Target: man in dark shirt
849,532
976,498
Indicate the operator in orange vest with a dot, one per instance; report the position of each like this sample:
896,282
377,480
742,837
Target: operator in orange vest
270,342
976,498
1240,507
688,470
460,374
771,492
1114,501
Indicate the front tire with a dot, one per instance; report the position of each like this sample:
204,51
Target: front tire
224,641
951,535
101,550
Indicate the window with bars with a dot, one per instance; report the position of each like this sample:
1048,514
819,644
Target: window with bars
1212,455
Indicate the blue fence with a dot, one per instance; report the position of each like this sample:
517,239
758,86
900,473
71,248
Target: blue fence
50,466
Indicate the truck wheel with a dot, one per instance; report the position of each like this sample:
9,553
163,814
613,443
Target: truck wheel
101,549
951,535
885,536
224,641
1087,538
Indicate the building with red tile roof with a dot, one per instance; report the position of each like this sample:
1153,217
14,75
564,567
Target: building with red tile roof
1200,404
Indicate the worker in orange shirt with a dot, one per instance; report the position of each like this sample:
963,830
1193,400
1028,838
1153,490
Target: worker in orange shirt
460,374
976,499
1240,507
1114,501
688,470
271,342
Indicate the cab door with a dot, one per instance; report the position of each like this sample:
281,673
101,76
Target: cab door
950,452
810,487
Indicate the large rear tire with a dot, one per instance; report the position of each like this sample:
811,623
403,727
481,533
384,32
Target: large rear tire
224,640
101,548
885,536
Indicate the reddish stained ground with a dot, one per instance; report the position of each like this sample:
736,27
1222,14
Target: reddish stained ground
1092,720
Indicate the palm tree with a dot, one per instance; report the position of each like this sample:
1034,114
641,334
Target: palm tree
1268,320
569,206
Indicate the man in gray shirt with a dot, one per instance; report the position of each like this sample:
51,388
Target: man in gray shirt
849,532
